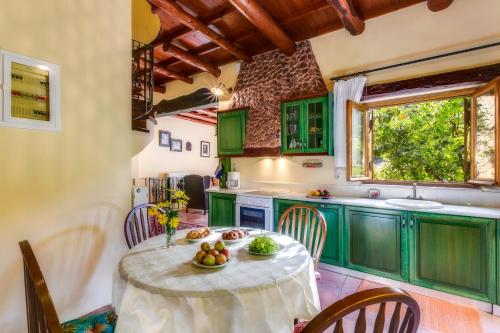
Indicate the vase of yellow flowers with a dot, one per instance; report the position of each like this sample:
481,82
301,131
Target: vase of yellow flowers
166,213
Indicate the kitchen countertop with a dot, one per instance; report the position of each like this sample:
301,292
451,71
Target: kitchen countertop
474,211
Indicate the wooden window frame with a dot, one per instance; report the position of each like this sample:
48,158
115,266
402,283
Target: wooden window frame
494,86
366,107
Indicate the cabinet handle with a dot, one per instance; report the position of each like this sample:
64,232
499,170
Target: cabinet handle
404,222
411,223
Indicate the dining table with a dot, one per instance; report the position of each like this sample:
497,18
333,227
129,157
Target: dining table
160,289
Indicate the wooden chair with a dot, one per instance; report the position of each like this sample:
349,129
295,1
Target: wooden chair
40,310
334,314
307,225
139,226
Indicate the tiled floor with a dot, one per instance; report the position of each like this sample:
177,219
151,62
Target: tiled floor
437,315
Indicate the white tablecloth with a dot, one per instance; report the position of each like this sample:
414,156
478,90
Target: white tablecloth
160,290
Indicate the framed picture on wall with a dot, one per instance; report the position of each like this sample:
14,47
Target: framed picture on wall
164,138
188,146
175,145
205,149
30,96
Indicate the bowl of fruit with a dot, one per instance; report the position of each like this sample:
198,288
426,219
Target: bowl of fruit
198,235
209,256
234,236
263,246
320,194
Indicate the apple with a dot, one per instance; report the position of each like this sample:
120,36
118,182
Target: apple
200,255
219,245
205,246
225,252
213,252
209,260
220,259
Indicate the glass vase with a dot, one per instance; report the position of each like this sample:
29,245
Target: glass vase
170,237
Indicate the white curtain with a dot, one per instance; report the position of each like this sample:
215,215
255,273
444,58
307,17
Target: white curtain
342,91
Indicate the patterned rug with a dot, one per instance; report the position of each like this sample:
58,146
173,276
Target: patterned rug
437,315
183,226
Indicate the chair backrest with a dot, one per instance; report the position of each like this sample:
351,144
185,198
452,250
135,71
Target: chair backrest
334,314
307,225
40,310
139,226
195,189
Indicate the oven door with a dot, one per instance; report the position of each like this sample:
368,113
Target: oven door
253,217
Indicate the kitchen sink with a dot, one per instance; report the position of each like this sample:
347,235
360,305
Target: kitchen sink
414,204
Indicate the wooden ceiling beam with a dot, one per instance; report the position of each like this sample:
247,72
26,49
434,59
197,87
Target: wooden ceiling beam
207,113
192,22
199,117
348,15
159,89
190,59
181,116
170,73
437,5
261,19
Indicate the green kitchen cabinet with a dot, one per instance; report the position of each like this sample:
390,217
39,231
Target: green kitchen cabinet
231,132
332,251
305,126
375,242
221,209
454,254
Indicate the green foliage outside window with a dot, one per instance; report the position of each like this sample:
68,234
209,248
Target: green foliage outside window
421,141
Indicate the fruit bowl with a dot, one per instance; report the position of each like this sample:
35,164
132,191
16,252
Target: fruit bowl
197,264
320,194
212,256
263,246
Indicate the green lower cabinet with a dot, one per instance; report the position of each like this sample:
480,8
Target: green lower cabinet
332,251
453,254
221,209
375,242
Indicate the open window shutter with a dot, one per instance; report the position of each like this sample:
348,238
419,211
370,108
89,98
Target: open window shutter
485,135
358,148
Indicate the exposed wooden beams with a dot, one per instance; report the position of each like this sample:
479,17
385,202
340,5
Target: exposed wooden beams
159,89
192,22
199,117
212,114
437,5
259,17
205,122
170,73
348,15
190,59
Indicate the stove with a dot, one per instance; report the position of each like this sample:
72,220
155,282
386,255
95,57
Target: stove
254,209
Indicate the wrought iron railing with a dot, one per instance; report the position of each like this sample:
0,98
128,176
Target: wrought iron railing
142,80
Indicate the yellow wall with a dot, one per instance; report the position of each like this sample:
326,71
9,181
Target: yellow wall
145,24
67,192
154,160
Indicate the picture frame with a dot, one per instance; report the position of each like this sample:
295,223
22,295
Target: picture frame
176,145
188,146
164,138
31,96
205,149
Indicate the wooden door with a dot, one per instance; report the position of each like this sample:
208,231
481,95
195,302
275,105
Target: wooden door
454,254
221,209
375,242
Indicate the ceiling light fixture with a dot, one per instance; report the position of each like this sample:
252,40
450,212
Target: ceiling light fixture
219,90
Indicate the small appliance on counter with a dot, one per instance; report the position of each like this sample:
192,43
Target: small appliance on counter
233,180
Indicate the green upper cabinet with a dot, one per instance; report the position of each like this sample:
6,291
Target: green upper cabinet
332,251
221,209
231,130
305,126
453,254
375,242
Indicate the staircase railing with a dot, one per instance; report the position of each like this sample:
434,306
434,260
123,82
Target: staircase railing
142,81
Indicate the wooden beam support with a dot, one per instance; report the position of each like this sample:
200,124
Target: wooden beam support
212,114
259,17
348,15
170,73
159,89
192,22
191,59
180,116
437,5
199,117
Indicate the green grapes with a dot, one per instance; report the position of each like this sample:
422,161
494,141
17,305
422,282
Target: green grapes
264,245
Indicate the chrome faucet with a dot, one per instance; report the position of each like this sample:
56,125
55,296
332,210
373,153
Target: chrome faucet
414,194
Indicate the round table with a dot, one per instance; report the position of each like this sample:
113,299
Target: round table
159,290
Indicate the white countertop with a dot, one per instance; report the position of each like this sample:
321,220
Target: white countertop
474,211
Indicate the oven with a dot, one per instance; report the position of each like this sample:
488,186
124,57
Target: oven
254,212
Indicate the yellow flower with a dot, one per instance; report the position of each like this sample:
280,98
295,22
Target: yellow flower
174,222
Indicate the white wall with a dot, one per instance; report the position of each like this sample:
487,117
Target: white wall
68,192
154,160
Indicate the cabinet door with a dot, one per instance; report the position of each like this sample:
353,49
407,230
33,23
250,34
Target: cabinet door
332,252
292,140
453,254
231,127
375,242
221,209
316,125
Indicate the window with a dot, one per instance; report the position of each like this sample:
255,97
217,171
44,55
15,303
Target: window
449,137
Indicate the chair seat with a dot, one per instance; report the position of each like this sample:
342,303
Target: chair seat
96,323
299,326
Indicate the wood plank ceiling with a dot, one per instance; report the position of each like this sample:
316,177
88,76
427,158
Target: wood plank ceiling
201,35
